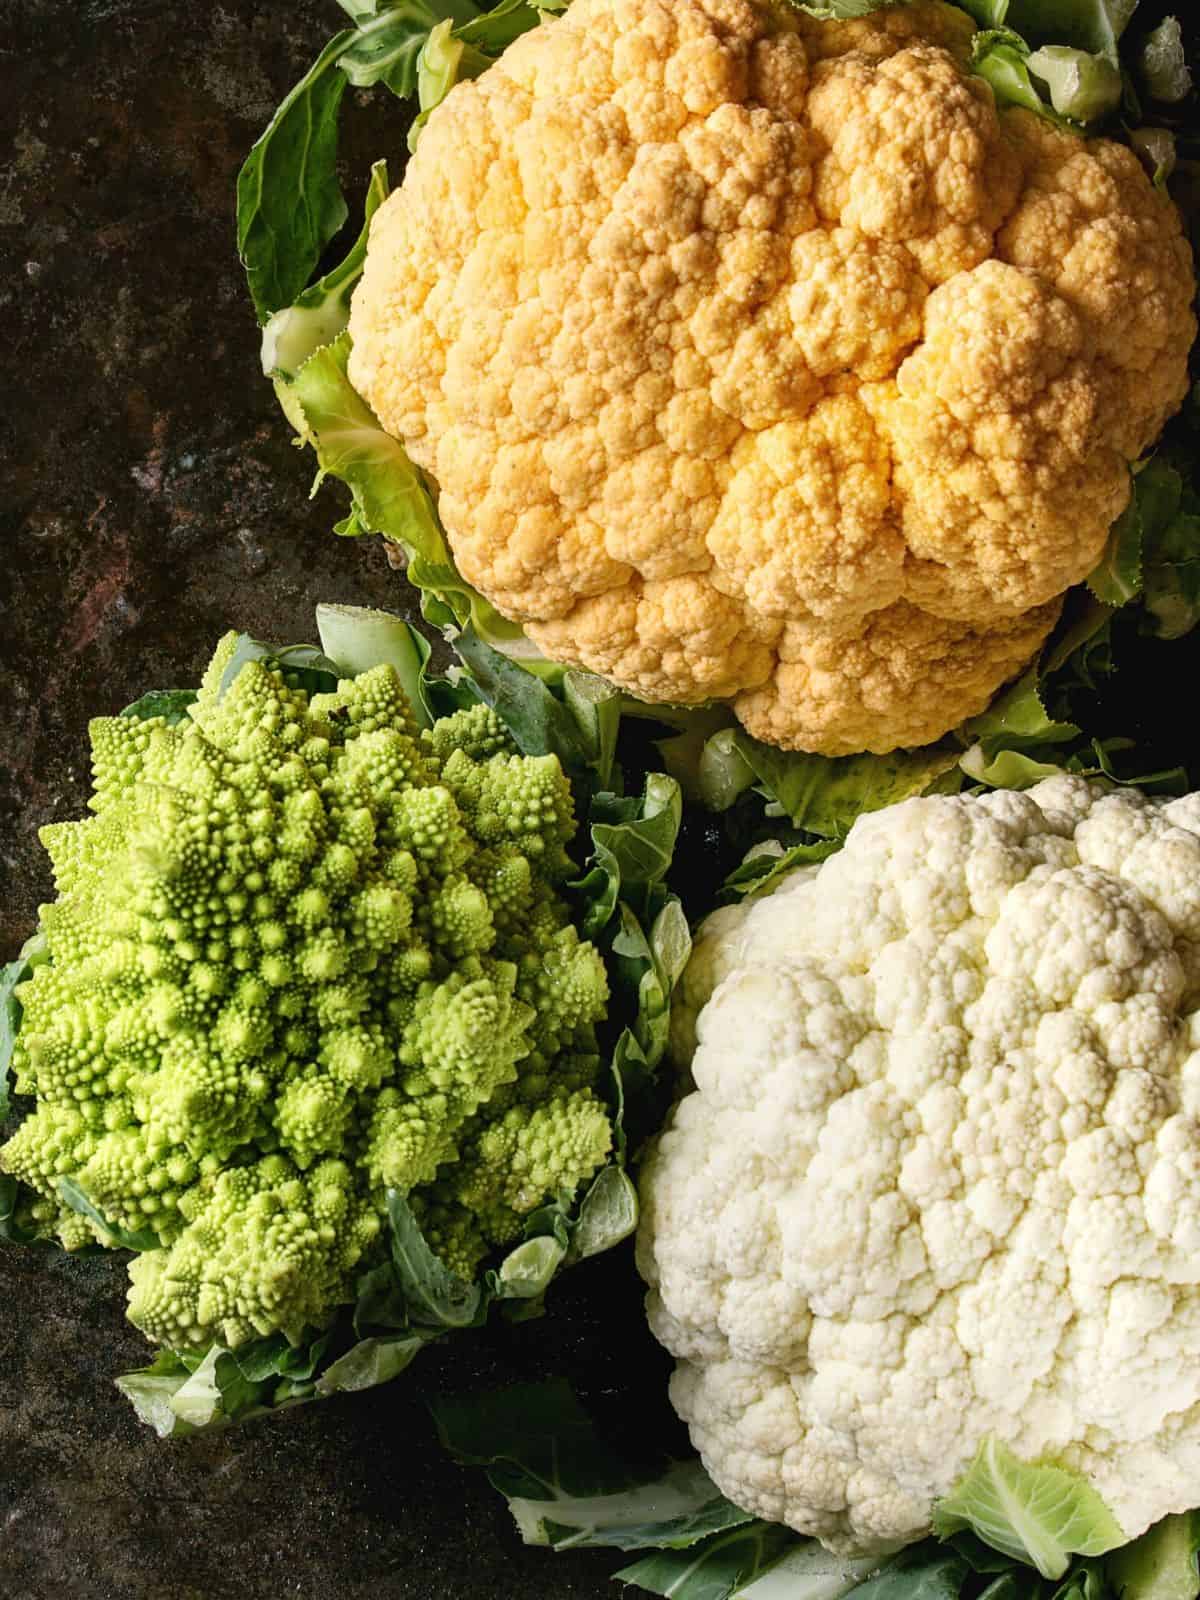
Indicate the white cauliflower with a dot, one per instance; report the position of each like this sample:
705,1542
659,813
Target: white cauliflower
940,1175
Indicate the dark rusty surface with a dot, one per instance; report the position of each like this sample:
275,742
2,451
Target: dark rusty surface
150,500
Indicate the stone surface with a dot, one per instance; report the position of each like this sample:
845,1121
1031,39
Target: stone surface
150,500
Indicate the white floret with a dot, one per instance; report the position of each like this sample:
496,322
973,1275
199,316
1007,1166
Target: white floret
940,1174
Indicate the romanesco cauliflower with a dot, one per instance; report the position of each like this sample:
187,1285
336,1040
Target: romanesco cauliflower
303,953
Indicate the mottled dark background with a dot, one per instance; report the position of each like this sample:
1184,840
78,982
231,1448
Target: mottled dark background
150,499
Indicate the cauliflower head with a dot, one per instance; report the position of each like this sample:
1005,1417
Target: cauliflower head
302,954
939,1176
762,358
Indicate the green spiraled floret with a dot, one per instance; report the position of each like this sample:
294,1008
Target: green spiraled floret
511,1163
302,953
477,731
267,1249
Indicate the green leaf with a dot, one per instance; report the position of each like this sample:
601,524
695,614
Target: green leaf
496,29
289,201
196,1401
926,1571
721,1567
633,842
1161,1565
13,973
1085,1580
1015,1583
1001,57
1083,87
151,1391
608,1214
767,864
435,1296
1036,1513
535,1437
1018,714
525,1272
320,314
389,494
388,43
357,638
370,1362
1008,769
807,1571
169,704
1094,25
1163,63
987,13
445,58
14,1197
1170,512
596,707
541,723
564,1486
824,794
1117,577
303,665
841,10
116,1237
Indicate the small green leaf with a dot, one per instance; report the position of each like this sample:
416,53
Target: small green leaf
13,973
766,865
435,1295
302,665
525,1272
1036,1513
389,493
1094,25
608,1214
721,1567
1001,58
357,638
1161,1565
197,1400
987,13
370,1362
843,10
1008,769
445,58
1163,62
320,314
1018,713
541,723
633,843
1083,87
169,704
927,1571
825,794
116,1237
289,201
388,42
565,1487
151,1391
1117,577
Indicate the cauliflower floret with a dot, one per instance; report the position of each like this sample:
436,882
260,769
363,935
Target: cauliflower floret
761,358
939,1175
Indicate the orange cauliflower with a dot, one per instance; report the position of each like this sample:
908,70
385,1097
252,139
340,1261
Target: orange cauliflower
762,358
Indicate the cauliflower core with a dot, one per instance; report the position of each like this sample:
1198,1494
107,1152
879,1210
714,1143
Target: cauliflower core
760,358
940,1174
